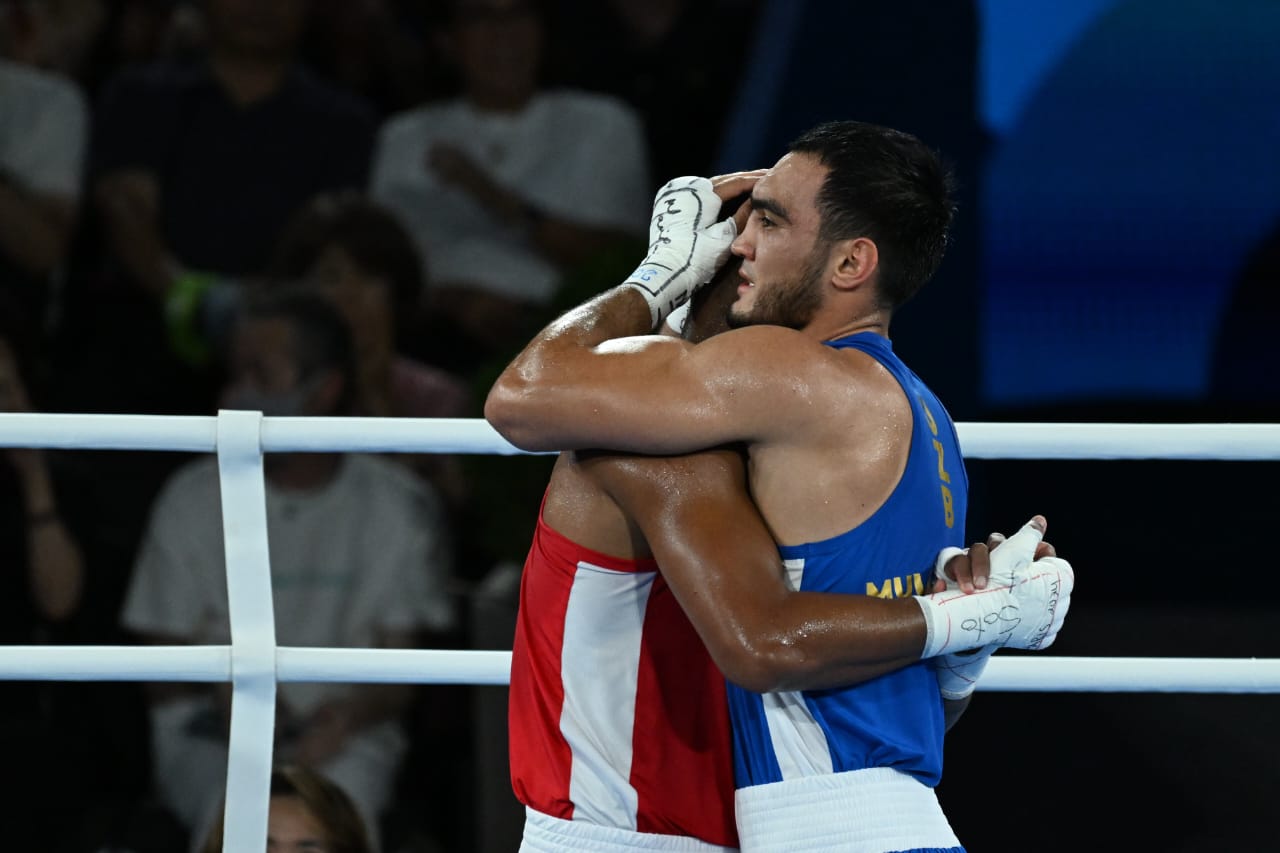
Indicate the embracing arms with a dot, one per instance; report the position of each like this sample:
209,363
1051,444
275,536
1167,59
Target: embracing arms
721,563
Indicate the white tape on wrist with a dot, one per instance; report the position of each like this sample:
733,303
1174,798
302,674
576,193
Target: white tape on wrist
958,673
956,622
940,565
676,319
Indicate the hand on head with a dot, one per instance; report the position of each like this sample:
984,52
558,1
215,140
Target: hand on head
688,241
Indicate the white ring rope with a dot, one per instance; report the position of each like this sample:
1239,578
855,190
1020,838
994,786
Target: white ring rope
254,664
1006,673
196,433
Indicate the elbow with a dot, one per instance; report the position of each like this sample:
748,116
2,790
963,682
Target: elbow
510,409
761,664
62,607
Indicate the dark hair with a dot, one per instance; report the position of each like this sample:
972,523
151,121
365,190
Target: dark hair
457,11
886,185
331,806
366,231
322,339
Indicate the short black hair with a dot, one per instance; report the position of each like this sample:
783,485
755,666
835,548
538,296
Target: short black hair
322,338
365,230
889,186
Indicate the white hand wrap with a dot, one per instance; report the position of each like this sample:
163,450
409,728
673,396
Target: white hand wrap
940,565
686,245
1023,606
958,673
676,319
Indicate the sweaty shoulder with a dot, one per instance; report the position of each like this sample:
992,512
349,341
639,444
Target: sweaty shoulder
771,358
775,344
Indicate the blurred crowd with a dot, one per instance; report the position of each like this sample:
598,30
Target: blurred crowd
302,207
340,208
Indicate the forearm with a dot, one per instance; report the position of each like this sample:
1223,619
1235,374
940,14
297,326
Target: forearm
57,568
148,262
34,232
814,641
55,563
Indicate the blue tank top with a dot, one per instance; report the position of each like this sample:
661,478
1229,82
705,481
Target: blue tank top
895,720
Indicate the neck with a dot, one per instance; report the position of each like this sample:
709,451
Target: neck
499,100
302,472
830,326
248,79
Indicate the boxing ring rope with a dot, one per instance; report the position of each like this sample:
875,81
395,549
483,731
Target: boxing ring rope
255,664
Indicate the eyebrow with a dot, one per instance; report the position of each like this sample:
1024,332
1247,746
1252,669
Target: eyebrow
770,206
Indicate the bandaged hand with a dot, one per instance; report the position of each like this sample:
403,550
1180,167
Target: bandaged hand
1023,605
676,320
958,672
686,245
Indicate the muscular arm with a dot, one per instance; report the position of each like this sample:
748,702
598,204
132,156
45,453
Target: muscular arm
649,394
723,567
35,229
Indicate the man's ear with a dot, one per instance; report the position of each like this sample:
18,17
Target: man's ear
856,261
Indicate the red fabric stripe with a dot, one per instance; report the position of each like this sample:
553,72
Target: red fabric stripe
682,764
540,759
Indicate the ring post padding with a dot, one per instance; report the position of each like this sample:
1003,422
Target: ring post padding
253,630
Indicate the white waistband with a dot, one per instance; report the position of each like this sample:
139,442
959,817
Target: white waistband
860,811
546,834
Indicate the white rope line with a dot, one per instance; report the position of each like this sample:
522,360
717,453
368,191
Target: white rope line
1042,673
254,664
978,440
